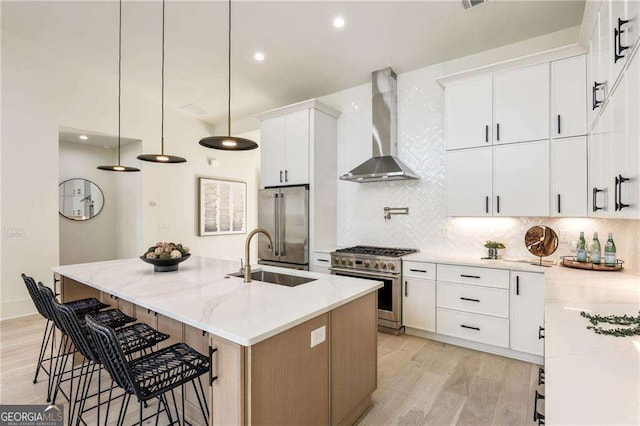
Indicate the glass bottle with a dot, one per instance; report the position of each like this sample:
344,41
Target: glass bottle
581,253
596,250
610,252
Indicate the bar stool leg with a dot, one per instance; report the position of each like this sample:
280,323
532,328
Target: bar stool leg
43,348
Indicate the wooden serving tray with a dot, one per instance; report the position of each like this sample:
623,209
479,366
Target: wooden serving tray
571,262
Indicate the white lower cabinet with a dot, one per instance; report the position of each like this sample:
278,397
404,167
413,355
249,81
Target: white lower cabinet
527,312
418,304
320,262
478,328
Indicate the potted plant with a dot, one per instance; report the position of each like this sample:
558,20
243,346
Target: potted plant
492,247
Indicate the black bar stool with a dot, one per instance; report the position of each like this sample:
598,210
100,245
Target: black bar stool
133,338
82,307
111,317
150,376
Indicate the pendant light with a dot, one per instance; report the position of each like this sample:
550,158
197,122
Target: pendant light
228,143
162,157
119,167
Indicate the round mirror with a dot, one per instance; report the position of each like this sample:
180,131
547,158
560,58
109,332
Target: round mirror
79,199
541,241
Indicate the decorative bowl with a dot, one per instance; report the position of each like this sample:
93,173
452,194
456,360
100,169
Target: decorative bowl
165,265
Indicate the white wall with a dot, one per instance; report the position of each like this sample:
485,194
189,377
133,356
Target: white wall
94,239
42,91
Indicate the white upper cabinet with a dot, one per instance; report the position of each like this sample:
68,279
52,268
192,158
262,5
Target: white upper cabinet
601,184
569,98
527,312
521,105
521,179
469,114
625,30
469,182
602,79
569,177
285,149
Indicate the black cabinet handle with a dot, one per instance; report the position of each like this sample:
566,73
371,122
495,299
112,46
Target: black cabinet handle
323,260
620,180
559,209
617,41
595,103
540,376
406,288
536,415
486,133
498,131
470,300
280,176
517,285
498,203
559,128
469,327
286,175
615,193
424,271
486,204
540,332
594,203
212,378
470,276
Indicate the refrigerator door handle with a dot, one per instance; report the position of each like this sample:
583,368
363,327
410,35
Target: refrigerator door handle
281,226
276,212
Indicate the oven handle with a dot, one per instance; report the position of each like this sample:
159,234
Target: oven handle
355,273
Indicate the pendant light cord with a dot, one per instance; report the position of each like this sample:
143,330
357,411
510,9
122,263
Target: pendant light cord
229,78
162,92
119,73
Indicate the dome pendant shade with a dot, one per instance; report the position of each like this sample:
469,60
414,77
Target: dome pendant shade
228,143
118,167
162,157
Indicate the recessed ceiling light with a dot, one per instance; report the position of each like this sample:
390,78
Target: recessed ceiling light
258,56
338,22
84,137
106,146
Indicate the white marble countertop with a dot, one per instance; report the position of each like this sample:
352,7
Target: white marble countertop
591,379
200,294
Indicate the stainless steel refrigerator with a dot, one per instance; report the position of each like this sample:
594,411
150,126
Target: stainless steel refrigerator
284,212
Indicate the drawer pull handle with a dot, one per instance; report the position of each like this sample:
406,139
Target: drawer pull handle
470,300
540,332
418,270
323,260
470,276
469,327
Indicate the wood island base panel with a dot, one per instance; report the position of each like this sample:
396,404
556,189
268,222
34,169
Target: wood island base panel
320,371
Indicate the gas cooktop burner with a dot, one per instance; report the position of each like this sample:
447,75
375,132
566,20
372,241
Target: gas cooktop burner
377,251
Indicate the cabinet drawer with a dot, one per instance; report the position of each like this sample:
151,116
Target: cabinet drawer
479,328
319,258
471,275
475,299
418,270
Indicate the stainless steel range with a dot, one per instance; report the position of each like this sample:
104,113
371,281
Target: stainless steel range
381,264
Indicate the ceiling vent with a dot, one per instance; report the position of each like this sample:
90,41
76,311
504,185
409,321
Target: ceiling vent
195,109
468,4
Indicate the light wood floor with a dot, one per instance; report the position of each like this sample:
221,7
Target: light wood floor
419,381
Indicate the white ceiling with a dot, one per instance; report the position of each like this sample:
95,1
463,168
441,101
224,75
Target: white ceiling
69,135
305,55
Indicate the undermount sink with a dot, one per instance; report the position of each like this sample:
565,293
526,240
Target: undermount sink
275,278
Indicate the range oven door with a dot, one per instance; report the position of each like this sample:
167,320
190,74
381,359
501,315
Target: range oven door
388,296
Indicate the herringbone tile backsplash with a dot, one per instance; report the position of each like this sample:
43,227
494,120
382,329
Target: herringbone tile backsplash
421,147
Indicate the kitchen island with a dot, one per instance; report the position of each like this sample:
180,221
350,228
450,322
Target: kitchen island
280,355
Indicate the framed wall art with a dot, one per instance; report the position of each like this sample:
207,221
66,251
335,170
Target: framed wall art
223,207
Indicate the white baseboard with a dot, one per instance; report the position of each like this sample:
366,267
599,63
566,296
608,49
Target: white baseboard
536,359
16,308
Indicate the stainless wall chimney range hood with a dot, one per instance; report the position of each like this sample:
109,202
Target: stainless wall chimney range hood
384,165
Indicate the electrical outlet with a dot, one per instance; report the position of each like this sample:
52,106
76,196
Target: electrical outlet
318,336
564,237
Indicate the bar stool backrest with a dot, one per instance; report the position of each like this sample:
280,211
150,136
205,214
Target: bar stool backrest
48,298
111,355
72,327
32,287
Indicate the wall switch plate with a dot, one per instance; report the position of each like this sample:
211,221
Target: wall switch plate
318,336
163,226
15,232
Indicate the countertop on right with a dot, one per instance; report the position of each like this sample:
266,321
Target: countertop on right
590,378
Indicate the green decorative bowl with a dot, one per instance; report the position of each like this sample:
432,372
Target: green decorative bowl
165,265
